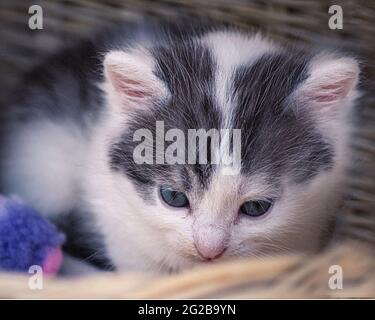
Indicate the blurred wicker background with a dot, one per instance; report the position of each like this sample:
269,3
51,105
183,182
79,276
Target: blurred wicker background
68,21
304,22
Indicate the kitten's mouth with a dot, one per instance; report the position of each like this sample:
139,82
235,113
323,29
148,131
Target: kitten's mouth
210,260
198,260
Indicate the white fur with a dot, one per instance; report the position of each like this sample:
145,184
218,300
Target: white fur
44,164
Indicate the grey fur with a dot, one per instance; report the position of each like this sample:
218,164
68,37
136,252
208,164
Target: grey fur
277,139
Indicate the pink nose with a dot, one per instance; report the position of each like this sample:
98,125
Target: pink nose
211,242
210,253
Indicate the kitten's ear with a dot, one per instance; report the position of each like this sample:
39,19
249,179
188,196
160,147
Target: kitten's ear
130,80
330,83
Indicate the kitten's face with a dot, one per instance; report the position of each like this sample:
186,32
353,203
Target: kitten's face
168,217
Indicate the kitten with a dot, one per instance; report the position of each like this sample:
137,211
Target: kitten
69,143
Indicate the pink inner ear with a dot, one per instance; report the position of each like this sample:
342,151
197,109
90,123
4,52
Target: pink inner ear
129,87
332,92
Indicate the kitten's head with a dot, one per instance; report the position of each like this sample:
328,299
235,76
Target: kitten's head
290,108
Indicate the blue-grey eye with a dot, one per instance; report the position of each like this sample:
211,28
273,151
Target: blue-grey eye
174,198
255,208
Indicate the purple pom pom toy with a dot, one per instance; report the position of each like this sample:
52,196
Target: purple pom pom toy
27,238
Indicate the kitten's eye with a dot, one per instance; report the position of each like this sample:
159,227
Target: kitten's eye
174,198
255,208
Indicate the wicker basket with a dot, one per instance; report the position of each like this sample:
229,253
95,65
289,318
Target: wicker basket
304,22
